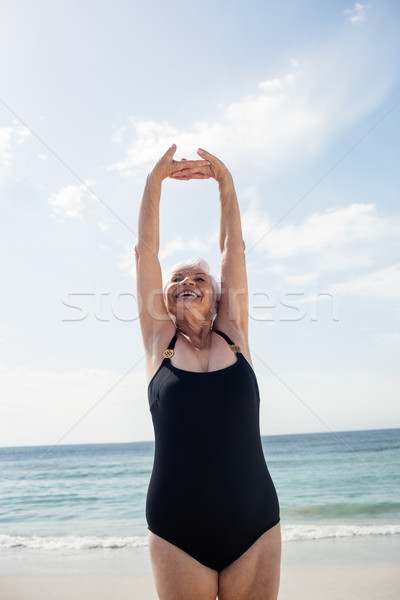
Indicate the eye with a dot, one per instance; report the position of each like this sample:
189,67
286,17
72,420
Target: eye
200,279
176,278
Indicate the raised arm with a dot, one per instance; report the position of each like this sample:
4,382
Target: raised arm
148,271
233,306
153,315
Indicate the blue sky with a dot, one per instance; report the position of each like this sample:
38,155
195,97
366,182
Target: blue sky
301,100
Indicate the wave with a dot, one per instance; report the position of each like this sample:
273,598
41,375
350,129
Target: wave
320,532
289,533
70,542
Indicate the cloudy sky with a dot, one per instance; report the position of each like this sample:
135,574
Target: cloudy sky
301,99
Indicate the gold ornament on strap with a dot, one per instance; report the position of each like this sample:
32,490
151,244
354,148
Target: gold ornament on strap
235,349
168,353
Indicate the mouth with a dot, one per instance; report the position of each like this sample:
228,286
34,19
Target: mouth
187,294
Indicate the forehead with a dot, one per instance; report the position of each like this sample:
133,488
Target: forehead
191,271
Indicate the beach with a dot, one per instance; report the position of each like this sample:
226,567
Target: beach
72,518
364,568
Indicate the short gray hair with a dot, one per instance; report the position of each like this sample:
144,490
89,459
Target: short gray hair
193,263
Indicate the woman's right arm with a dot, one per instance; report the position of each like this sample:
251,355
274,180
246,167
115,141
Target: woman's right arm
153,315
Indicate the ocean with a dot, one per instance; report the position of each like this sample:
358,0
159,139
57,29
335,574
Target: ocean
83,497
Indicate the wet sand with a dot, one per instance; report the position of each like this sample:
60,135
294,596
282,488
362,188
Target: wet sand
350,569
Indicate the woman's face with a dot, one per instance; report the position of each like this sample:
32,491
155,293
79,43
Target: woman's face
190,290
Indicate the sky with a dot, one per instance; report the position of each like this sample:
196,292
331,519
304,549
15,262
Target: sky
301,100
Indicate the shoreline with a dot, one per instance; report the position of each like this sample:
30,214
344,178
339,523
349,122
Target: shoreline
345,568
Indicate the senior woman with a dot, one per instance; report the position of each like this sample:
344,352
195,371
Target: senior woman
212,509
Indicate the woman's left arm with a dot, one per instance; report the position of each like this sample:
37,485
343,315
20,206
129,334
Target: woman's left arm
233,305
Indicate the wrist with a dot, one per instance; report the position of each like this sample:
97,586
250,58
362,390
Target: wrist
225,179
154,179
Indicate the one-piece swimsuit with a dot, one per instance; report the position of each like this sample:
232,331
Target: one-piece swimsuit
210,492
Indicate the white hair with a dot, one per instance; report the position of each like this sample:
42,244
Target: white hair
196,263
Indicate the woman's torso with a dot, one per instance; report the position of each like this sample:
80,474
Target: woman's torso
200,416
209,479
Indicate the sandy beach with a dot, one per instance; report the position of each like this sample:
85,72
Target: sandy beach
350,569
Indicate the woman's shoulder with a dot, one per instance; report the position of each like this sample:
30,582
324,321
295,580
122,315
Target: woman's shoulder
231,329
159,342
236,335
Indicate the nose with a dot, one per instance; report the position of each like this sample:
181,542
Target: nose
188,280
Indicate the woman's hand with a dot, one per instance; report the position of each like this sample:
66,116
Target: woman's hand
177,169
211,167
216,168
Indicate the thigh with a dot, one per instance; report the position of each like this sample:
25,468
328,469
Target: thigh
178,576
254,575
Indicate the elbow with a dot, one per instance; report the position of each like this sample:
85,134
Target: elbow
145,245
140,252
233,246
144,253
141,248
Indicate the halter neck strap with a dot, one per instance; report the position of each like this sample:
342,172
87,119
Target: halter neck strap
169,352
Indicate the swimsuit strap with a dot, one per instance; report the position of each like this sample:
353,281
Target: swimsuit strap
236,349
169,352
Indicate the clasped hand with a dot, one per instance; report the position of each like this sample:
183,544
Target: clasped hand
184,170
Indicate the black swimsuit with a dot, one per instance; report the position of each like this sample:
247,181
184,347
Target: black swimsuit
210,492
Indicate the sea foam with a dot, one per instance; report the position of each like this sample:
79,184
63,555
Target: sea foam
289,533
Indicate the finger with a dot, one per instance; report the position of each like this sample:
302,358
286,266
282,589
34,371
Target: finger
181,173
170,152
203,169
189,177
196,176
180,177
190,164
206,155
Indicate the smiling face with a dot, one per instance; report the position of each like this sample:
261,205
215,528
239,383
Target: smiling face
190,290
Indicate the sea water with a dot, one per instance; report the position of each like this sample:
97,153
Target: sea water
83,497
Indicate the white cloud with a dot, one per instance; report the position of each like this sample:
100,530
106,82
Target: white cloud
383,284
349,238
328,230
271,121
357,14
189,245
126,259
21,132
6,154
104,224
68,202
284,119
10,138
300,279
151,142
277,85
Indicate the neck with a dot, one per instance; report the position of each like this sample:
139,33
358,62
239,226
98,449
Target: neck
198,332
